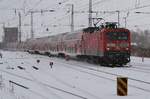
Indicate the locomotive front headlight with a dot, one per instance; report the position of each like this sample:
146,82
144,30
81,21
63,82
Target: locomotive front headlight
108,48
127,48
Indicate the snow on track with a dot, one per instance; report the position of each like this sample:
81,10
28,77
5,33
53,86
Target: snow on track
67,80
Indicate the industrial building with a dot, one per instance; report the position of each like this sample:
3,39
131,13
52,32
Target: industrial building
10,35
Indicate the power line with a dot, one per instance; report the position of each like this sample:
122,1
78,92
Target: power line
36,4
135,8
139,25
32,12
94,3
142,12
99,2
137,3
85,6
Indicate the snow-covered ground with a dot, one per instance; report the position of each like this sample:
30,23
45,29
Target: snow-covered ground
68,79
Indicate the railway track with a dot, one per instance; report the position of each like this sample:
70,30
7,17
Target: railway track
136,68
139,69
142,64
89,68
65,83
101,71
105,72
28,89
44,84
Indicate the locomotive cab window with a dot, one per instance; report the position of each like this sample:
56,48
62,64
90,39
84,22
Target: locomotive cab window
117,35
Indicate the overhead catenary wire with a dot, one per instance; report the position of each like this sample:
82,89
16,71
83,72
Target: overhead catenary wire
85,6
19,9
95,3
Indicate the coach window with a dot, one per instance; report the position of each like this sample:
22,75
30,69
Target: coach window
69,49
82,38
75,47
72,49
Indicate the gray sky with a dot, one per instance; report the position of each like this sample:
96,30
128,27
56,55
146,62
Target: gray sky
59,21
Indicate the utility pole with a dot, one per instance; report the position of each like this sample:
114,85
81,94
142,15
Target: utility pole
3,25
90,13
19,36
125,21
118,17
72,17
137,3
32,12
3,33
32,32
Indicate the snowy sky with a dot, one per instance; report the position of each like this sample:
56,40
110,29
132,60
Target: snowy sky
59,21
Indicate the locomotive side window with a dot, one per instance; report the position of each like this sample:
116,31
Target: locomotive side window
117,35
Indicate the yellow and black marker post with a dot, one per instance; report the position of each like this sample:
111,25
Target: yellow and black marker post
122,86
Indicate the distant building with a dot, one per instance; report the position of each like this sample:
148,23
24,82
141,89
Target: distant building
10,35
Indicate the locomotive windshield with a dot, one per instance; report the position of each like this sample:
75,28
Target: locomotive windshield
117,36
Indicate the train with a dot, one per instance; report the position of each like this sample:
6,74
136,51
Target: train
106,45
